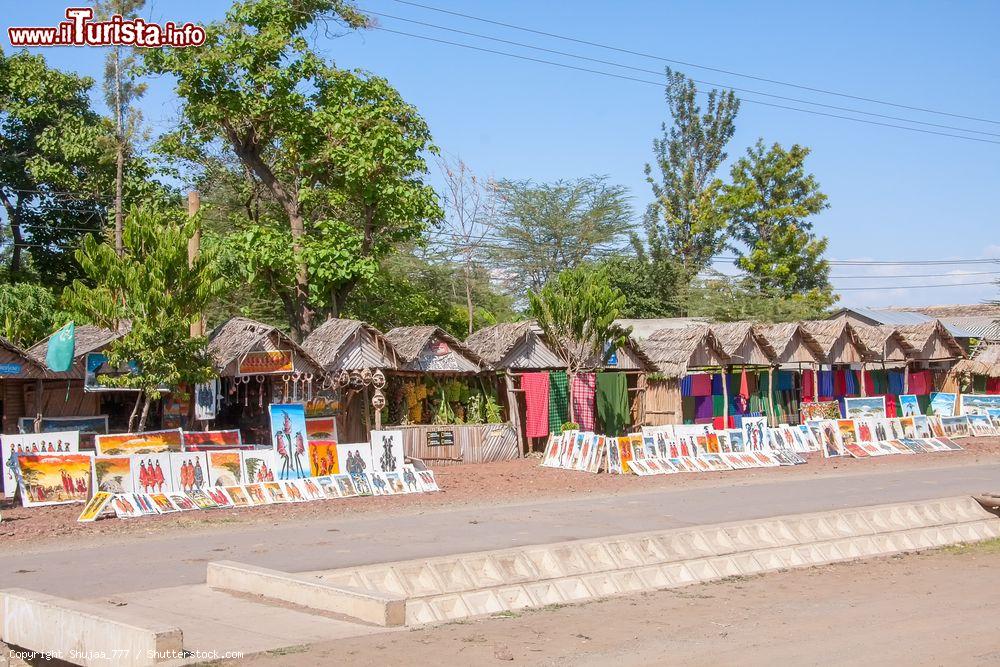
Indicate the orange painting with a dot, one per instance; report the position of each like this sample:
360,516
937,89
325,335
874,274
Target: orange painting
149,442
54,479
270,361
225,468
323,458
113,473
321,428
195,441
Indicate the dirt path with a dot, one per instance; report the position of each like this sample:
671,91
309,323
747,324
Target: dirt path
935,607
467,486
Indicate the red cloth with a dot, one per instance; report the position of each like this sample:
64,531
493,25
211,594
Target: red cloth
717,423
744,387
993,386
701,385
839,383
582,389
890,406
536,401
807,386
869,383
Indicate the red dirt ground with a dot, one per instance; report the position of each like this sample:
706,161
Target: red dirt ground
467,485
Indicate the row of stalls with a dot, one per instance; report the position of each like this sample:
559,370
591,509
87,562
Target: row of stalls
500,392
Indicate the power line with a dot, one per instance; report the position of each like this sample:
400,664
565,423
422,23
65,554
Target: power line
856,289
920,275
660,84
695,65
698,81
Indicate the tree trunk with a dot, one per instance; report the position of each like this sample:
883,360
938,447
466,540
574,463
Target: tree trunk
135,413
468,293
120,156
569,393
145,412
13,211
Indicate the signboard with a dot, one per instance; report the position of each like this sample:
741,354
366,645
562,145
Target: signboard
440,438
268,362
11,369
94,362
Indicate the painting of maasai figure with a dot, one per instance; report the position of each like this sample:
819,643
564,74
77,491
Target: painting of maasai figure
387,451
289,439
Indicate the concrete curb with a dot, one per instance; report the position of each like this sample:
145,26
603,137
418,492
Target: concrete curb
370,606
83,633
454,587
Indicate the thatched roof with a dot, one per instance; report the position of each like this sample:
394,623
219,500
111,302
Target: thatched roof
328,342
410,342
87,338
495,342
832,333
233,339
10,353
744,342
931,340
673,351
985,361
781,336
879,338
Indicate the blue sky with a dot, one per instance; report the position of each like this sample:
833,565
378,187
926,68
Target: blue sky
894,194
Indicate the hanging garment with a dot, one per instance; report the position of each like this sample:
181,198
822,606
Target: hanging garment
786,381
718,405
687,409
744,384
850,383
558,400
993,386
702,408
839,383
686,385
583,387
701,385
717,384
895,382
612,402
808,390
825,384
890,406
536,401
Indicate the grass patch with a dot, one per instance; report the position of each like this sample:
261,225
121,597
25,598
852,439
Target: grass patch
288,650
985,547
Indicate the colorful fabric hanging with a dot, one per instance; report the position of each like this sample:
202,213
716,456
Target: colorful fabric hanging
701,385
825,383
687,409
979,384
839,383
536,401
744,384
786,381
583,387
612,402
895,384
558,400
890,406
808,390
702,408
686,385
993,386
850,383
716,384
718,405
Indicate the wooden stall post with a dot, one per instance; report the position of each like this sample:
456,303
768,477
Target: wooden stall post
725,398
906,378
515,413
772,418
861,377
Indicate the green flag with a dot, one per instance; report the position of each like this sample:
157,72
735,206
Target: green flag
59,356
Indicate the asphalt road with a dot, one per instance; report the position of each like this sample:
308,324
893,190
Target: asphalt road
175,558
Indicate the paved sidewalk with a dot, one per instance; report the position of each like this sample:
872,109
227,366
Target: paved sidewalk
174,560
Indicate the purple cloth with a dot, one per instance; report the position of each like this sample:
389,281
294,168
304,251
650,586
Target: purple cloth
703,407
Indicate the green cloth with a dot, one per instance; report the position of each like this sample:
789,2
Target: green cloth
558,401
687,409
59,356
979,384
718,404
612,402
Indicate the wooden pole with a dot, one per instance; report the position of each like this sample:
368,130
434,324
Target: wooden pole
864,390
772,418
906,377
725,398
815,370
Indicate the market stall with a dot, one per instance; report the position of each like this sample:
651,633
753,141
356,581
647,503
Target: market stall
979,374
935,352
16,369
797,353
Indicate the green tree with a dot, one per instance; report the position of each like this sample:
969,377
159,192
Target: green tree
28,313
554,226
339,152
770,202
577,310
122,90
686,223
730,299
152,288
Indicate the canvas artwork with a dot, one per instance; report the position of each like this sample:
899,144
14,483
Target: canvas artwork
755,433
577,450
149,442
866,430
551,449
54,479
979,404
640,468
323,458
830,439
427,480
85,425
288,438
345,486
922,427
125,506
145,503
354,458
201,499
596,456
275,492
113,473
238,496
182,502
981,425
311,489
321,428
362,484
908,405
295,491
328,486
820,410
936,428
259,466
956,427
614,456
379,485
225,468
410,479
736,440
994,414
848,431
943,404
189,471
95,506
218,496
257,494
395,481
163,504
56,442
199,441
387,451
206,400
808,437
864,408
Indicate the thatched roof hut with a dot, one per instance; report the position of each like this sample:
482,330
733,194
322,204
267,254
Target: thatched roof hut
839,341
744,343
793,344
674,352
886,342
87,339
15,362
515,346
985,361
931,341
239,340
343,344
432,349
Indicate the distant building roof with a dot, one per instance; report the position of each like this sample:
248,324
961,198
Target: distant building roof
893,317
644,328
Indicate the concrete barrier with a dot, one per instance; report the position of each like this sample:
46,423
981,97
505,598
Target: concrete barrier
380,608
82,633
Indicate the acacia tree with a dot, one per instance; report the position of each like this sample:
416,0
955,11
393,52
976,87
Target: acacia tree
340,152
686,223
577,312
155,291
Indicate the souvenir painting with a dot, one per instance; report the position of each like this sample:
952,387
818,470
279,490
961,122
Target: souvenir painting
830,439
238,496
410,479
908,405
820,410
979,404
257,494
614,455
200,441
151,473
312,490
294,491
943,404
288,438
125,506
218,496
981,425
201,499
95,506
866,430
189,471
956,427
354,458
54,479
909,430
148,442
56,442
387,451
113,473
321,428
379,485
258,466
808,437
345,486
755,433
328,486
922,427
551,449
848,431
723,440
84,425
427,480
934,422
182,502
163,504
865,407
736,440
225,468
362,485
395,481
275,492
